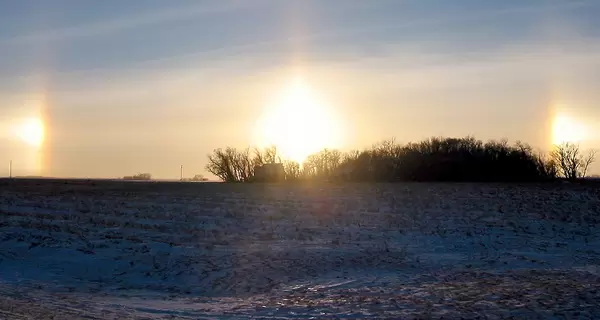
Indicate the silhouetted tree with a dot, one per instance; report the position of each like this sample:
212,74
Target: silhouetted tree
433,159
571,162
322,165
232,165
221,163
546,165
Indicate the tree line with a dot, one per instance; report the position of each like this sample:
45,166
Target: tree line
434,159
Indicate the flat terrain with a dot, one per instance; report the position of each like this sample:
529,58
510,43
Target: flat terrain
128,250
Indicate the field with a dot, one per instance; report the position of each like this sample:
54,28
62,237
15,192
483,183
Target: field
128,250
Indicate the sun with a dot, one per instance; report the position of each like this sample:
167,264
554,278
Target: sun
565,129
31,131
298,123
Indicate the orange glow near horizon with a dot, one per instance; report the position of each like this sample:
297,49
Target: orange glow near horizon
29,131
298,123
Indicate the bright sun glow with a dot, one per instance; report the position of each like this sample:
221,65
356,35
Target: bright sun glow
31,131
298,124
565,129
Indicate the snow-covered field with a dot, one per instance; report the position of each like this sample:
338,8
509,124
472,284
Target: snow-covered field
116,250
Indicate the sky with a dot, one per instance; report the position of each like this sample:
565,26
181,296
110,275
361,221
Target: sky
121,87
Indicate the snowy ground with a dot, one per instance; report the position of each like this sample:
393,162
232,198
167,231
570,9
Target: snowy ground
115,250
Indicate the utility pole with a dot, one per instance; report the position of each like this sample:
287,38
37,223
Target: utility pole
181,173
10,169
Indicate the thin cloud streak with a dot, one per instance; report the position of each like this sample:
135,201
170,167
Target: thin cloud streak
234,51
388,72
130,22
528,54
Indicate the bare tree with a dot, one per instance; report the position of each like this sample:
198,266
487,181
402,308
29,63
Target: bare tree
220,163
232,165
546,165
258,159
351,155
291,169
322,164
242,165
270,155
588,159
571,162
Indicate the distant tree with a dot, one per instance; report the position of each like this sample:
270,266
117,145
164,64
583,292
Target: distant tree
139,176
570,161
198,177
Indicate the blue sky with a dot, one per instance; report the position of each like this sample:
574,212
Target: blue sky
128,86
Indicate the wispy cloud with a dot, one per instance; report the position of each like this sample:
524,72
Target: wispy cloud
394,73
331,37
130,22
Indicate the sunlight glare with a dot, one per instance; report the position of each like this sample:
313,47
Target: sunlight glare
565,129
31,131
298,124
